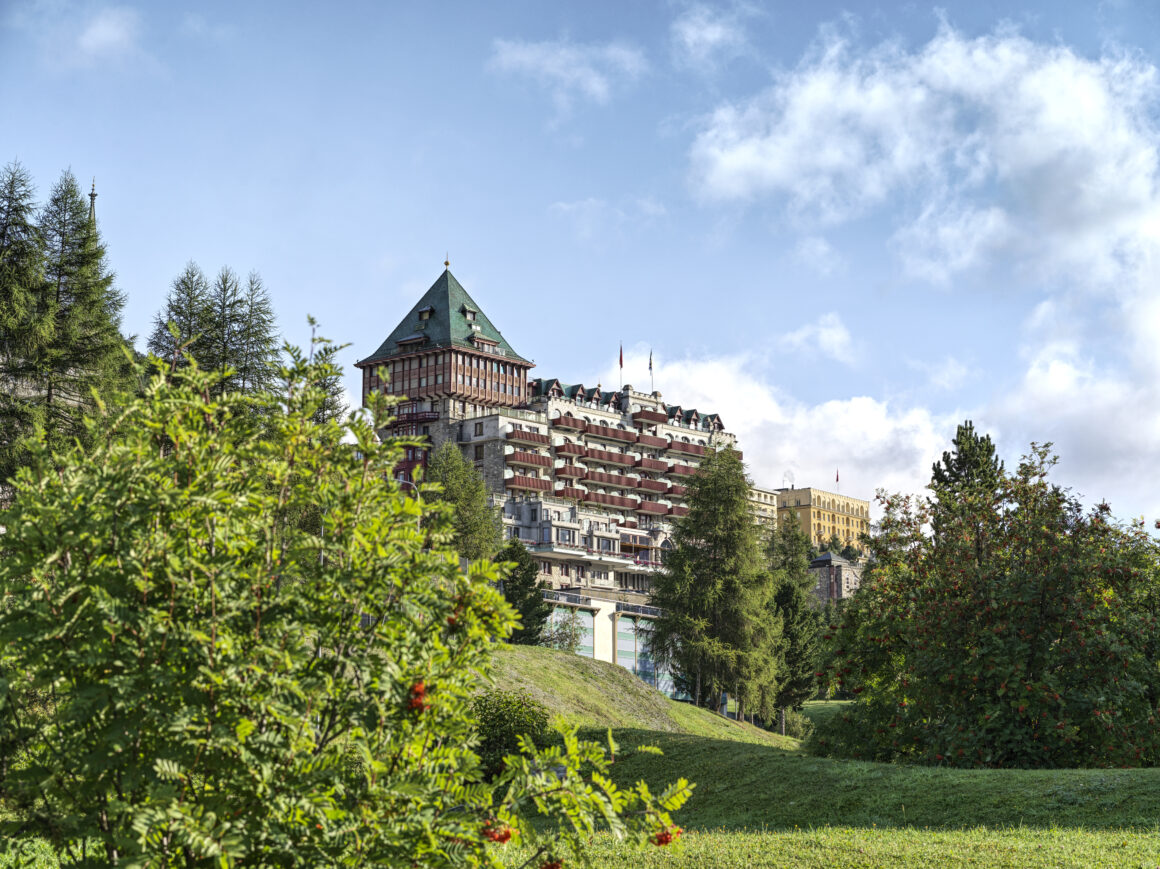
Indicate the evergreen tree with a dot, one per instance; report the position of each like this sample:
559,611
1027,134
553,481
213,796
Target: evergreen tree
788,554
63,321
21,269
182,326
333,406
477,526
254,361
224,326
966,484
523,590
719,630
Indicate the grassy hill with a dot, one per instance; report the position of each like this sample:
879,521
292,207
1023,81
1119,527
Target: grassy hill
760,801
748,778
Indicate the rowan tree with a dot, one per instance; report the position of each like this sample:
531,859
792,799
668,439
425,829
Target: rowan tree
1015,636
186,678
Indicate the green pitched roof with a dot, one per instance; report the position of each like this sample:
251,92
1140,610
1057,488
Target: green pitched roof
447,325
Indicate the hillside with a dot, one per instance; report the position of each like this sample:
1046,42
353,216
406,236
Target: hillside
748,778
595,694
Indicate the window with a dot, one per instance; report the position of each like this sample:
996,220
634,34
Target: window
479,452
546,567
424,315
565,570
479,429
545,535
470,315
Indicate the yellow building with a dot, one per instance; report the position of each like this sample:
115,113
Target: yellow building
823,514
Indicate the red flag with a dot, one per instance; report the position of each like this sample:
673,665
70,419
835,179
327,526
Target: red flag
835,475
621,355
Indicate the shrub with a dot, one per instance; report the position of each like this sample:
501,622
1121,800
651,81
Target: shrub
501,718
798,725
232,686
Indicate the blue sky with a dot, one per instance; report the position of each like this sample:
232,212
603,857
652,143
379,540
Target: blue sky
845,227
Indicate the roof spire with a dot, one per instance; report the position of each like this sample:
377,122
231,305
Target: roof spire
93,201
447,261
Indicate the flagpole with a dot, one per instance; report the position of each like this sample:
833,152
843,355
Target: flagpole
652,387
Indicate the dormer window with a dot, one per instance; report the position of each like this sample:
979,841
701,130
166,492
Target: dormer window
424,315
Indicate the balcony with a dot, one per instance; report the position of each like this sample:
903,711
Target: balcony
628,523
610,500
687,449
636,540
567,421
652,508
653,441
611,479
519,457
646,417
610,457
574,471
677,510
682,470
652,464
611,434
417,416
532,484
571,493
658,486
528,437
569,450
678,491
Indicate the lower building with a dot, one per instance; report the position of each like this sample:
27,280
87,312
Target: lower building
836,578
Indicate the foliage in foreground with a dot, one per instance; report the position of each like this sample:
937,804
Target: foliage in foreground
187,677
1021,633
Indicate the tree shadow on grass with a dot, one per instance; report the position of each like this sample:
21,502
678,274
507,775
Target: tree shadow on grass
749,786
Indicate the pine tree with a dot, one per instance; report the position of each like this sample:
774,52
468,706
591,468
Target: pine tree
182,326
21,270
523,589
477,526
334,406
68,343
966,484
719,630
788,553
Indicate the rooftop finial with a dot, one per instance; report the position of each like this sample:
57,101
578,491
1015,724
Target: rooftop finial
447,261
93,200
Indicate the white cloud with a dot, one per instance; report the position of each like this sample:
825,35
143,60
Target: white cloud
570,71
996,154
827,336
703,36
111,34
875,444
1012,147
817,253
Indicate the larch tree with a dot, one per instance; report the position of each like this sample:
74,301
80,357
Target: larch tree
478,533
788,556
21,270
182,325
719,630
65,318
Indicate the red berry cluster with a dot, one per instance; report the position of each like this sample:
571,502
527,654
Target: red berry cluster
496,834
419,701
552,864
667,835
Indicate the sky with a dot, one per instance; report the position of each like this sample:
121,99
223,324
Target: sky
844,227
